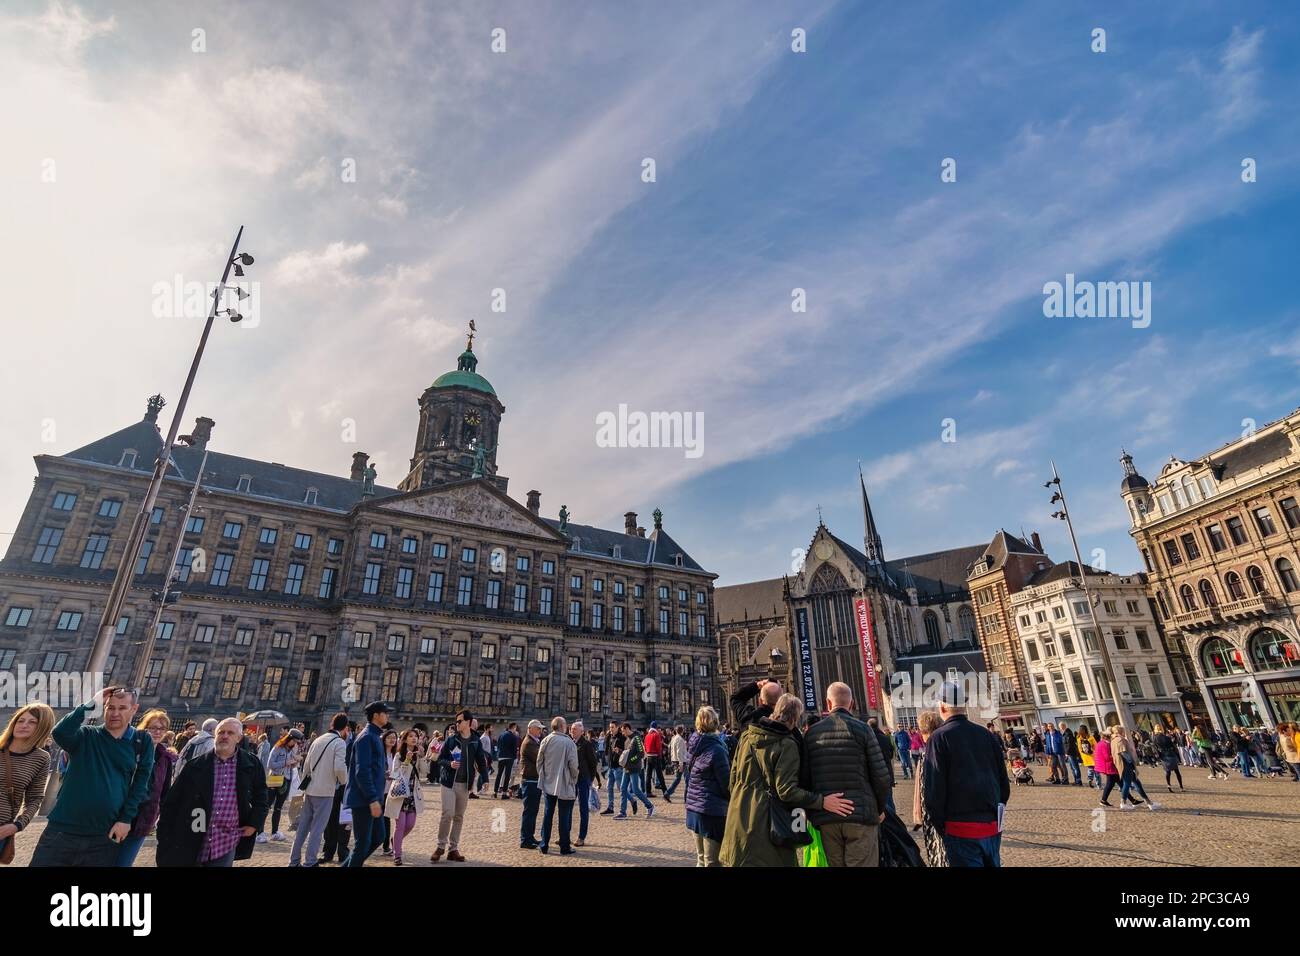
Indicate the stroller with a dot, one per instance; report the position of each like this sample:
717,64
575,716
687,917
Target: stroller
1023,775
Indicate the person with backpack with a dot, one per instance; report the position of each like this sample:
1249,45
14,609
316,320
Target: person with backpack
1087,744
326,770
633,760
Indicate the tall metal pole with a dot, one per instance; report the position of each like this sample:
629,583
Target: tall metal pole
122,580
1093,603
151,638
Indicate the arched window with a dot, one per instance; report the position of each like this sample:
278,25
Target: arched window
1164,608
1235,589
1190,489
931,628
1208,597
966,624
1256,578
1221,659
1286,574
1271,651
1177,489
1188,597
735,654
910,639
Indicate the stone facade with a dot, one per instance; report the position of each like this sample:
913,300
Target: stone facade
306,593
1220,537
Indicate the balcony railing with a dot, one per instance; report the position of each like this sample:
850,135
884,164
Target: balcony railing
1201,617
1256,606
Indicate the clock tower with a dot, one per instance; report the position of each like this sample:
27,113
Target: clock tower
460,418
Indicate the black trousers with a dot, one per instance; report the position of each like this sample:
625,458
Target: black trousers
336,837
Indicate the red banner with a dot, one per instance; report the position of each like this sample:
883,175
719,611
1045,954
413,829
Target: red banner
868,641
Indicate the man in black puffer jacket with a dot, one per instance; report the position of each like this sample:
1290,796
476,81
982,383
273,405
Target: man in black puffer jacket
841,755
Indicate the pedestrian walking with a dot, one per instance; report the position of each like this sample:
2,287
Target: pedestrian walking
677,754
280,761
460,758
903,744
507,751
588,777
367,779
1122,745
614,744
326,774
155,724
405,799
633,759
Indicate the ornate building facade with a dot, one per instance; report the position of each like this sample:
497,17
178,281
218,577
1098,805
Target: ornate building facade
305,592
1220,537
916,611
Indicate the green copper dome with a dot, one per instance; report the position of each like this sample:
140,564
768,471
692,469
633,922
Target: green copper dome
465,375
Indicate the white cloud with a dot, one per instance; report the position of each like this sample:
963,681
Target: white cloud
329,266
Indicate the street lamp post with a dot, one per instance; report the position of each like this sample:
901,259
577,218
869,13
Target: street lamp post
142,663
122,579
1093,603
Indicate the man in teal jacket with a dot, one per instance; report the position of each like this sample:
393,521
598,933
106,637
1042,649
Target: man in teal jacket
109,772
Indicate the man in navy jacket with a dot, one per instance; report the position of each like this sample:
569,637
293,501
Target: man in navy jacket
965,785
507,750
367,782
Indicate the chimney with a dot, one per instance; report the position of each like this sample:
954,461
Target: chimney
359,461
535,502
202,432
640,532
629,522
1033,536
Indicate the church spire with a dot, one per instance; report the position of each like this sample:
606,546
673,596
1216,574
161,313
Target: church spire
872,546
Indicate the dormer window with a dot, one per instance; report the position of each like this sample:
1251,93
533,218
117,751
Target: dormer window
128,459
245,483
310,498
577,544
618,550
677,560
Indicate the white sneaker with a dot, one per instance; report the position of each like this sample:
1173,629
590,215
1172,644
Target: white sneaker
1125,805
1152,805
261,838
278,837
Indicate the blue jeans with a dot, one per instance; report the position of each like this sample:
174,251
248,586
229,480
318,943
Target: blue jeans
614,783
1092,776
566,821
532,795
368,833
130,849
1128,780
632,785
1259,764
504,766
222,861
56,848
984,852
681,772
1243,764
905,759
1075,768
584,806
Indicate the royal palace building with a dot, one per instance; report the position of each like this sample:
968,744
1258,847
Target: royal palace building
1220,537
306,593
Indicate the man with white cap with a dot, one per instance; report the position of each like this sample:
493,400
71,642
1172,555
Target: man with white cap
529,789
965,785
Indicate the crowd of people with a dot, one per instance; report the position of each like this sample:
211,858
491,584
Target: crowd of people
776,786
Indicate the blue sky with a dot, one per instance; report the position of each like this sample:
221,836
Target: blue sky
775,170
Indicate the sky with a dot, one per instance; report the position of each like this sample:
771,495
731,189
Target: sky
393,164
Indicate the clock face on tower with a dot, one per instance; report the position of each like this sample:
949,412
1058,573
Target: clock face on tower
471,418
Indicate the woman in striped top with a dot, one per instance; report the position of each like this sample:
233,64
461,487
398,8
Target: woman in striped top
24,768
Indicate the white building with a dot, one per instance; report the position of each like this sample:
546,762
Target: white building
1059,640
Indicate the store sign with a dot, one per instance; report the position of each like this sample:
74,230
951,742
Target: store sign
1227,692
1282,688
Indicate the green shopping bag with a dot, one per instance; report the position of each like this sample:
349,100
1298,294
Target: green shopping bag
813,854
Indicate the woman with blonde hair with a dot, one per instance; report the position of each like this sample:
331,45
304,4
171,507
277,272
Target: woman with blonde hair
24,770
1122,746
156,724
935,855
707,770
764,785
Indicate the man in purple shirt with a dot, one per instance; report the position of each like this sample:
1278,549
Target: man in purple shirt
212,813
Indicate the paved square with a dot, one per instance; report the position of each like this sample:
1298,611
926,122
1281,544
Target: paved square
1232,822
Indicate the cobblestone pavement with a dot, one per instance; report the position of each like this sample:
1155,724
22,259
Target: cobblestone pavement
1234,822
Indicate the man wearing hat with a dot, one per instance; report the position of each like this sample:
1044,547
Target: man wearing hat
458,761
367,778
